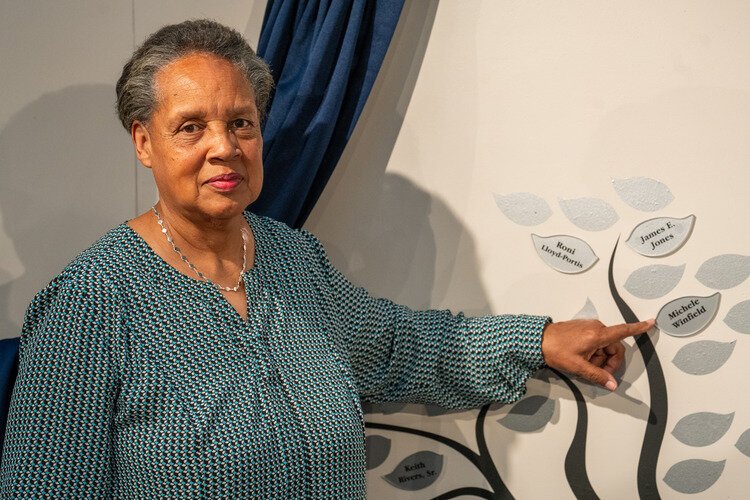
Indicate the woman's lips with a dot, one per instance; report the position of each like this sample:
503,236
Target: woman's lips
225,182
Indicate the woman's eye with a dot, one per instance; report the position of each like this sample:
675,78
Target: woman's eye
189,128
241,123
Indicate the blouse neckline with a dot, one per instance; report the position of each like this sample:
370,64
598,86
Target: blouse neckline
250,276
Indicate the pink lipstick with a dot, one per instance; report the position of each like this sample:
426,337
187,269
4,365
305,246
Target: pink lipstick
225,182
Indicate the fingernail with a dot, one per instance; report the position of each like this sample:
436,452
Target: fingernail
611,385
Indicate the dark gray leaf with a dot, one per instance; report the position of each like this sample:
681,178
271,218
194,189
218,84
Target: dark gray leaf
702,429
529,414
643,193
738,317
377,448
416,471
384,408
743,443
590,214
652,282
724,271
703,357
588,311
526,209
694,475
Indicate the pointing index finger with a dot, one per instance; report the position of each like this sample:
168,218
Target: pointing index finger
616,333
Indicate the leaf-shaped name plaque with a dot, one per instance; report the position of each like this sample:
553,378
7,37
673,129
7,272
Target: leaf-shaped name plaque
564,253
590,214
643,193
660,236
724,271
416,471
703,357
652,282
377,449
687,315
526,209
694,475
703,428
738,317
529,414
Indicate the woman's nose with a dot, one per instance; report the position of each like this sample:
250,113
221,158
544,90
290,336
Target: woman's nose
224,145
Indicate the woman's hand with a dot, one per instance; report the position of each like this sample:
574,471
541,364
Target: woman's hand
588,348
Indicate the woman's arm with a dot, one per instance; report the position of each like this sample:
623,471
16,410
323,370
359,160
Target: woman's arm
397,354
58,441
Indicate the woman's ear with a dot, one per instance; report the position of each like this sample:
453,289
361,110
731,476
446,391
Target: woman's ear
141,142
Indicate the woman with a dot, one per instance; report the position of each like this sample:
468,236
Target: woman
201,351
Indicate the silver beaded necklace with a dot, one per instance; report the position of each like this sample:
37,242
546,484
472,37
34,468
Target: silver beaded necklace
200,275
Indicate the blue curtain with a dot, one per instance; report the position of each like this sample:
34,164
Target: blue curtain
8,371
324,55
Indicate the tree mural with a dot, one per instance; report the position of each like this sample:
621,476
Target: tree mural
680,317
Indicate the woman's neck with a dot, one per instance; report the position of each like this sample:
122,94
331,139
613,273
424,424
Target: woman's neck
204,235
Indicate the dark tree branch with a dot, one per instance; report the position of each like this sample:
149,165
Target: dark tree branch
575,460
477,492
657,420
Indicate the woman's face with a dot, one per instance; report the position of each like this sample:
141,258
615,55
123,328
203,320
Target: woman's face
203,141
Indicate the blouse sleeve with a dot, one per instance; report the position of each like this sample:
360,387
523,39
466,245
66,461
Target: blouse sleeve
58,440
433,356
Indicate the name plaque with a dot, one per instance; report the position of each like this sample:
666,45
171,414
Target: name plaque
661,236
416,471
564,253
687,315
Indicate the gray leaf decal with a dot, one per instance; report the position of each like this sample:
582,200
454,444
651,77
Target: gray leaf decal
384,408
743,443
738,317
436,411
564,253
652,282
377,448
416,471
724,271
702,429
687,315
590,214
660,236
588,311
694,475
529,414
703,357
526,209
643,193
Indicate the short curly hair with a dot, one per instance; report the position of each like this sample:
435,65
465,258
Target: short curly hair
136,90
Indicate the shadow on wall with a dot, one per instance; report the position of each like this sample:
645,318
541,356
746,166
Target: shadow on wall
66,176
387,231
414,250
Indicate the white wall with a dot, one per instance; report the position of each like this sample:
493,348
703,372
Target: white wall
67,169
475,98
556,99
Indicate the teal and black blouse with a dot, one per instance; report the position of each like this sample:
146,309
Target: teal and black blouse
137,381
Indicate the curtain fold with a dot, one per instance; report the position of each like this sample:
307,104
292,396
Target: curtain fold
325,56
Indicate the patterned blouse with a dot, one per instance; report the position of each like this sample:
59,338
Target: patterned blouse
137,381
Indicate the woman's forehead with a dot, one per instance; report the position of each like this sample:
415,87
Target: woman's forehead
201,82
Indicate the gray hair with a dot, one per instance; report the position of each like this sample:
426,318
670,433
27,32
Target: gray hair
136,89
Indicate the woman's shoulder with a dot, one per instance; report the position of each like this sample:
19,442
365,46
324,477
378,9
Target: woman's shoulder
273,233
105,256
92,273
